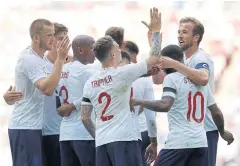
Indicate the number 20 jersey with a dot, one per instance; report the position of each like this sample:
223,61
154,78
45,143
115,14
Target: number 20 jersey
186,116
109,92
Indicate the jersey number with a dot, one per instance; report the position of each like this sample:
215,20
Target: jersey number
192,107
108,97
63,88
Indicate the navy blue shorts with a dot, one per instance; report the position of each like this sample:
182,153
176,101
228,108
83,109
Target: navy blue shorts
212,137
52,150
182,157
77,153
26,147
121,153
145,143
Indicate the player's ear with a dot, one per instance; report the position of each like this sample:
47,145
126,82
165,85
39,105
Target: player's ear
123,45
36,37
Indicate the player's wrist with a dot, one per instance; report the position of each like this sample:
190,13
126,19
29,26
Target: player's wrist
153,141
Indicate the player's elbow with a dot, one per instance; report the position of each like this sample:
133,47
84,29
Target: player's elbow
48,92
204,81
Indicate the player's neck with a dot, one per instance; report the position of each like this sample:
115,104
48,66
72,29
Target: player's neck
191,51
75,58
108,64
52,56
38,50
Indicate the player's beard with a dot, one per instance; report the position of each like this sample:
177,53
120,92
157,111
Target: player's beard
186,46
44,46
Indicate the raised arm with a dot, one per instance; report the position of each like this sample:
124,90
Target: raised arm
47,85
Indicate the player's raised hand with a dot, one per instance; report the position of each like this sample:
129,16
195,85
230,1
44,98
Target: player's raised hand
11,96
151,153
63,48
227,136
155,21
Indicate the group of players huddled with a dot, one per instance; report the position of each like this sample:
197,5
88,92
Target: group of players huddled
71,112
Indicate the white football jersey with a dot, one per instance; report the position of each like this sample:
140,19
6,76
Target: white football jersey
70,88
186,116
200,57
51,119
28,112
143,89
109,92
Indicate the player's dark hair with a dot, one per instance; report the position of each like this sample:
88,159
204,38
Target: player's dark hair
125,55
174,52
59,28
117,33
102,47
132,47
37,26
198,26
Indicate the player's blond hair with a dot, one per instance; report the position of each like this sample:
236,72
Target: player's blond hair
37,26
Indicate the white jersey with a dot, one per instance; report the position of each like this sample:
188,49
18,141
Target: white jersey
186,116
28,112
109,92
195,61
70,88
143,89
51,119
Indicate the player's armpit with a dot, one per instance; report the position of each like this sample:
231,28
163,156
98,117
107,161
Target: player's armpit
86,111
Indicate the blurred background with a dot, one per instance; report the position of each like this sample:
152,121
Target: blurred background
221,41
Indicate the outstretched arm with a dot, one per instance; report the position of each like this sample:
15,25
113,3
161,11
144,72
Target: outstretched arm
163,105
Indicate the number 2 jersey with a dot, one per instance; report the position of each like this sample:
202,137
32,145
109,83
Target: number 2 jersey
108,91
70,88
186,116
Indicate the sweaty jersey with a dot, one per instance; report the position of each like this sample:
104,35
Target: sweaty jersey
70,88
146,121
28,112
186,116
201,60
51,119
108,91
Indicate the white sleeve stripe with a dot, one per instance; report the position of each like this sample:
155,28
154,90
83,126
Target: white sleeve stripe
171,94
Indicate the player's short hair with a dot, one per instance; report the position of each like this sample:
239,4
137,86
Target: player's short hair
102,47
125,55
37,26
198,26
59,28
117,33
174,52
132,47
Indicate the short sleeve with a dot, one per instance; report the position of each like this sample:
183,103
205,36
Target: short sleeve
133,71
87,92
36,70
210,99
203,62
169,87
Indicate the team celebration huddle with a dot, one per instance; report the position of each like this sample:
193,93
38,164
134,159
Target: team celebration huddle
70,111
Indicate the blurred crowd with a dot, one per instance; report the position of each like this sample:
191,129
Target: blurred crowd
221,41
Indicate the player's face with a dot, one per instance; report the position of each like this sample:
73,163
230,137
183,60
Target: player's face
185,35
47,38
117,53
88,52
59,37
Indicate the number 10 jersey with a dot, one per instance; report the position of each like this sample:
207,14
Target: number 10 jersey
187,114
